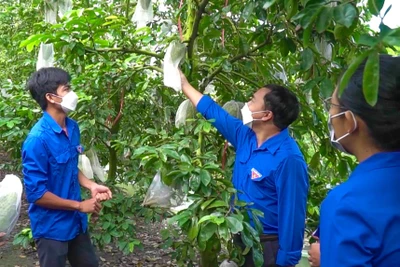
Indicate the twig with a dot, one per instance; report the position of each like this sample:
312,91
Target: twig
247,79
125,50
196,24
211,76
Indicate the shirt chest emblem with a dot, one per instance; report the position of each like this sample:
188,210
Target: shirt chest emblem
255,174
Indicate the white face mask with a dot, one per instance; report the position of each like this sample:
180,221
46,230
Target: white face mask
247,115
69,101
335,143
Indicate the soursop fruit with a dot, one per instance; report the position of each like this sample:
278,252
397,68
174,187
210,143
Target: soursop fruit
185,111
233,107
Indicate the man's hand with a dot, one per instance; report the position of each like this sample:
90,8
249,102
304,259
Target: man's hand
2,241
184,81
191,93
100,192
314,253
90,206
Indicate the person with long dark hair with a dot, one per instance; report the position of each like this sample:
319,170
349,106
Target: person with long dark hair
360,219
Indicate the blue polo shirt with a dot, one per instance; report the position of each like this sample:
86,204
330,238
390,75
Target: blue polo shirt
50,164
360,219
273,177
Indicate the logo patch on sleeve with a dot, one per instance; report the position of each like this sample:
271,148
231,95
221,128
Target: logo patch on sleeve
255,174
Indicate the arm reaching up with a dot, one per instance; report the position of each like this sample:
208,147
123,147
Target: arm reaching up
230,127
191,93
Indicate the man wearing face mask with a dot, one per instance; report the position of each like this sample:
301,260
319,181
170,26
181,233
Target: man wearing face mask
269,170
52,179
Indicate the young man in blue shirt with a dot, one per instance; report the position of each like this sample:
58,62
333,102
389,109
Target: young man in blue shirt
52,179
269,170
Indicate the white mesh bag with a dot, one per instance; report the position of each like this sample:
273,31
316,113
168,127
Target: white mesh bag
143,13
10,203
174,55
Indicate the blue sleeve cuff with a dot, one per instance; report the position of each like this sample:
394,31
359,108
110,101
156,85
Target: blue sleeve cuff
288,258
204,104
32,197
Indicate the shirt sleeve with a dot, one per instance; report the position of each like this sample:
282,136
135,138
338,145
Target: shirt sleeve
292,189
34,168
231,128
346,237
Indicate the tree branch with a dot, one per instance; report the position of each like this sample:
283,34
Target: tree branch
211,76
199,14
126,50
247,79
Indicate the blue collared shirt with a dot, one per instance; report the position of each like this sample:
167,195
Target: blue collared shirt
50,164
273,177
360,219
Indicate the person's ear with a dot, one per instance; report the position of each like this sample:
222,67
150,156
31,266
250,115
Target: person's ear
351,124
49,98
268,116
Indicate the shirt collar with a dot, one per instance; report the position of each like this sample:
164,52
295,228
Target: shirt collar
378,161
54,125
275,142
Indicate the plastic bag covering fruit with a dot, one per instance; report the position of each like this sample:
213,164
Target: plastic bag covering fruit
143,13
174,55
50,14
185,111
64,6
227,263
233,107
10,202
162,196
98,171
85,166
45,57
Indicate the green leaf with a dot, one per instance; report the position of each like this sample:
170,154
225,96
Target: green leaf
194,230
291,6
351,70
306,36
246,238
207,231
326,88
206,203
367,40
183,216
205,177
324,19
248,10
218,203
268,4
223,231
307,61
258,257
345,14
393,38
234,224
194,182
371,78
375,6
106,238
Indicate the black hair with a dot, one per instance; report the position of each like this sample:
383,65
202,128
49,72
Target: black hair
283,103
44,81
383,119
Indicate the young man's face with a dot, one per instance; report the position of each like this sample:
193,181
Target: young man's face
62,90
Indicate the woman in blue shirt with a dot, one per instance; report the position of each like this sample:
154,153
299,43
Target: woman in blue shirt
360,219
